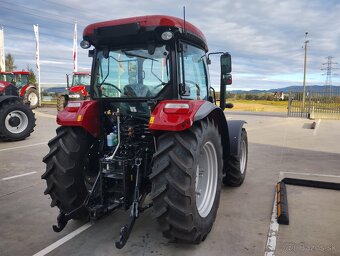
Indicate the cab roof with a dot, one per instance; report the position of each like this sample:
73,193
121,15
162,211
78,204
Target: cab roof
21,72
81,73
94,32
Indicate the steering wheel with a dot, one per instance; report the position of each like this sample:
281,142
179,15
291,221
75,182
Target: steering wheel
109,84
114,86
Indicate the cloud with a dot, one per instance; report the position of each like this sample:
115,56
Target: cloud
264,37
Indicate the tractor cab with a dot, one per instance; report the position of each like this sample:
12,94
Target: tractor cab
21,78
7,77
17,83
7,84
80,85
147,59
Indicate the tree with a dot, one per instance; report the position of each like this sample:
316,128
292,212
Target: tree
9,62
31,77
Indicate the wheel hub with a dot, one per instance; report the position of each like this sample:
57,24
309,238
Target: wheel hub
14,121
206,179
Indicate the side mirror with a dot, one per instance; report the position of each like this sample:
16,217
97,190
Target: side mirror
225,63
226,77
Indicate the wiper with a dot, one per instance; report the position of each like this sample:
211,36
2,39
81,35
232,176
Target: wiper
138,56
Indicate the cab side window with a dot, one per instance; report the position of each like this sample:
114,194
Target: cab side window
195,79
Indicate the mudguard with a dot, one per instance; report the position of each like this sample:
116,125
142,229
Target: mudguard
25,88
179,115
235,130
7,97
84,114
180,119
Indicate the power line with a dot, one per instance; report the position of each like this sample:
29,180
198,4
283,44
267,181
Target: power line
24,9
329,72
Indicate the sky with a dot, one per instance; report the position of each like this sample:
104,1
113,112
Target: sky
264,37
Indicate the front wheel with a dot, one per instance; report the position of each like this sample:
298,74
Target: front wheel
32,97
186,181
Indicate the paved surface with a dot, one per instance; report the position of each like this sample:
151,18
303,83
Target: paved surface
276,144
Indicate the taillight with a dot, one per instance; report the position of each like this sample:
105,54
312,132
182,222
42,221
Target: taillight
73,106
176,108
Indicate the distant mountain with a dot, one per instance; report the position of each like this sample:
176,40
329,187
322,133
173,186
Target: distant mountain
294,88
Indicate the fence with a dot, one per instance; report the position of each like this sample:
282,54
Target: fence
323,103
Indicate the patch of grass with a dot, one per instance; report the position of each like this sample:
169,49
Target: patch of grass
259,105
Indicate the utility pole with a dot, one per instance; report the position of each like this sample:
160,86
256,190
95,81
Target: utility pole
304,73
328,69
2,50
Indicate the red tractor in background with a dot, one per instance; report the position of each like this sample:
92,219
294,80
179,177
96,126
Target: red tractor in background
151,134
28,92
79,89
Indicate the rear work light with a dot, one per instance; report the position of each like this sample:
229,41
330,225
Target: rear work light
176,108
85,44
74,104
167,35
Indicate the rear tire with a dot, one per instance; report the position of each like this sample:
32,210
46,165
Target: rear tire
65,168
237,165
17,121
186,181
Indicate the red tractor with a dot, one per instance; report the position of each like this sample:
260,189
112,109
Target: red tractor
79,89
28,92
151,134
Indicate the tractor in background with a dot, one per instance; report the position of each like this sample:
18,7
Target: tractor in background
78,90
17,120
151,135
28,92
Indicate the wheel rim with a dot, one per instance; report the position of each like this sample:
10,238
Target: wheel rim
206,179
243,156
32,98
16,121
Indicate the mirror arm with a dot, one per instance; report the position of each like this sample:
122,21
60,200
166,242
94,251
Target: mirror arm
212,53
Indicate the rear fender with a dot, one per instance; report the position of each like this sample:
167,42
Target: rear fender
174,115
8,97
235,130
84,114
24,89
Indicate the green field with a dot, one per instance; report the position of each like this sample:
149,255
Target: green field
259,105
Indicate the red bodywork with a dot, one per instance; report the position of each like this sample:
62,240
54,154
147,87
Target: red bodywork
174,119
83,114
148,21
3,85
79,89
86,114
